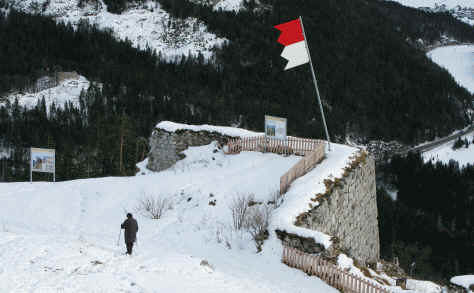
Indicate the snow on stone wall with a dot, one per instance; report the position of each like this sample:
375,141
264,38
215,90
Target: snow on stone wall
349,214
166,146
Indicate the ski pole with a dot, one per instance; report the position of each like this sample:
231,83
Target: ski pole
118,240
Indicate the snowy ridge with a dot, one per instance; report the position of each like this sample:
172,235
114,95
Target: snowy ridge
145,26
224,5
449,4
68,90
461,9
224,130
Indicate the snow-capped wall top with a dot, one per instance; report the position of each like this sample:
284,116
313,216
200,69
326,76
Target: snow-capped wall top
145,26
68,90
304,188
463,281
224,130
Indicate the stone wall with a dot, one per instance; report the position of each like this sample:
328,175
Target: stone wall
166,147
348,214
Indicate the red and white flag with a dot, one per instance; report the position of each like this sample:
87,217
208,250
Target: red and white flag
292,38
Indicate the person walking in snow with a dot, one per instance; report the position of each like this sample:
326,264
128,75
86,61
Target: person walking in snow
131,228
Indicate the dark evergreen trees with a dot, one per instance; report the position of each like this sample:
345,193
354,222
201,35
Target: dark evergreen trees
430,223
373,83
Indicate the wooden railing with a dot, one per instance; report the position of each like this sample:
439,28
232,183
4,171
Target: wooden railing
328,272
289,146
304,165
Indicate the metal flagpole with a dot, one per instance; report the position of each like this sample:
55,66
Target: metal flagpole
31,166
316,85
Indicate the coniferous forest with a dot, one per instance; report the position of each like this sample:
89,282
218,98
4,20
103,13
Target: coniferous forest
375,84
430,222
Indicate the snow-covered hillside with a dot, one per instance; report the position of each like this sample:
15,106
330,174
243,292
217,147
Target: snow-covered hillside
459,61
145,26
62,237
445,152
449,4
68,90
461,9
65,236
225,5
229,5
466,281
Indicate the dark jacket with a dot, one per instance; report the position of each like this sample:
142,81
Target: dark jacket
131,227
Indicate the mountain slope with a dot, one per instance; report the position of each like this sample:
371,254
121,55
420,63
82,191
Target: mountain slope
445,152
68,90
459,61
145,25
365,66
461,9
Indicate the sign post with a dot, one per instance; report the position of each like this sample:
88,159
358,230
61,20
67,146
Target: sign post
275,127
42,160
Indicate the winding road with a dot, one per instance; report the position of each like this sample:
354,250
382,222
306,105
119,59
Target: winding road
431,145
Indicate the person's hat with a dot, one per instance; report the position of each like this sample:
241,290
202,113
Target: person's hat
129,215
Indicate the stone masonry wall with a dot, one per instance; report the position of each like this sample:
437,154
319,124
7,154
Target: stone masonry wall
166,147
350,214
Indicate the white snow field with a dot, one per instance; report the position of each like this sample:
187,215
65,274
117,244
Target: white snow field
445,152
224,5
145,26
464,281
461,9
68,90
62,237
459,61
433,3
